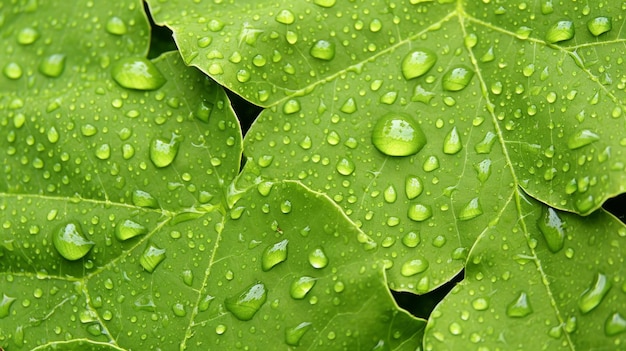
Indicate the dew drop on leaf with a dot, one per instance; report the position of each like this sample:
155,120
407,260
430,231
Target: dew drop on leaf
345,166
116,26
127,229
285,17
323,50
599,25
274,254
5,305
485,145
417,63
593,296
398,135
301,287
179,309
480,304
471,210
151,257
70,242
411,239
483,170
12,70
245,304
452,142
390,195
325,3
188,277
552,228
430,164
457,78
144,199
614,325
413,186
318,258
27,36
137,73
560,31
163,152
419,212
582,138
53,65
520,307
293,335
414,267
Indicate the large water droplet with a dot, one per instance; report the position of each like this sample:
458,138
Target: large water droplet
582,138
398,135
413,187
485,145
325,3
615,324
151,257
247,302
274,254
483,170
411,239
301,286
144,199
27,36
560,31
323,50
417,63
414,267
390,195
116,26
128,229
137,73
285,17
419,212
552,228
70,241
53,65
592,297
12,70
457,78
520,307
452,142
163,152
599,25
345,166
471,210
293,335
318,258
5,305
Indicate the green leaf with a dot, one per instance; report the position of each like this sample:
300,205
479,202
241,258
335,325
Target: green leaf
120,225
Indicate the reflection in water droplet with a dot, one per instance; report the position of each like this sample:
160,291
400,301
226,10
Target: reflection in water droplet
615,324
520,307
53,65
582,138
163,152
137,73
419,212
323,50
318,258
274,254
128,229
398,135
293,335
414,267
593,296
151,257
552,228
245,304
301,287
417,63
70,242
471,210
457,78
452,142
560,31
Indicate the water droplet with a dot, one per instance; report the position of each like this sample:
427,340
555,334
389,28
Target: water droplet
274,254
127,229
323,50
318,259
452,142
615,324
5,305
413,187
27,36
471,210
547,7
390,195
552,228
53,65
430,164
12,70
137,73
582,138
291,106
422,95
325,3
188,277
247,302
485,145
144,199
593,295
53,135
417,63
480,304
151,257
103,151
398,135
293,335
116,26
285,17
483,170
419,212
349,106
345,166
411,239
70,242
163,152
457,78
560,31
301,287
179,310
520,307
599,25
414,267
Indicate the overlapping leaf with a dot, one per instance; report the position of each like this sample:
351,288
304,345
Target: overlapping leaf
117,230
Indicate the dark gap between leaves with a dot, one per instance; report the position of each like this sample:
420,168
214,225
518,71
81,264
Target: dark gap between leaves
423,305
617,207
161,39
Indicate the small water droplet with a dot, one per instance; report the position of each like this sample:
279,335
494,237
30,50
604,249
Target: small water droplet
291,106
483,170
417,63
128,229
411,239
53,65
151,257
485,145
390,195
318,258
599,25
301,287
163,152
471,210
103,152
285,17
552,228
345,166
5,305
116,26
12,70
547,7
615,324
560,31
457,78
452,142
480,304
274,254
137,73
144,199
188,277
413,186
520,307
593,295
27,36
53,135
398,135
245,304
582,138
349,106
430,164
293,335
414,267
323,50
422,95
419,212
